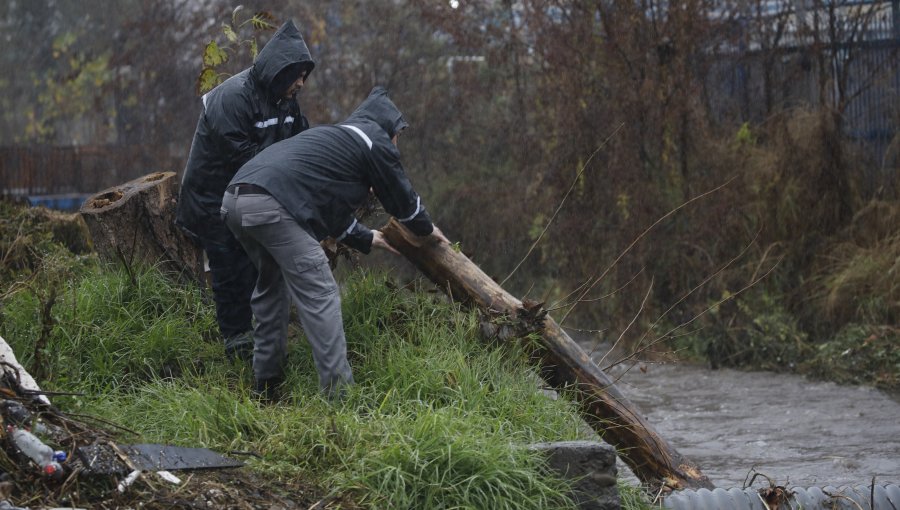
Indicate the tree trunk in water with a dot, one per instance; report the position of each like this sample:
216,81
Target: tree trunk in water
134,223
563,364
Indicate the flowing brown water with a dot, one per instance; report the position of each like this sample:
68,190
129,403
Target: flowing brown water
795,431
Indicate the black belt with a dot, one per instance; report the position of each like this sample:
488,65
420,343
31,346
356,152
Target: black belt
246,189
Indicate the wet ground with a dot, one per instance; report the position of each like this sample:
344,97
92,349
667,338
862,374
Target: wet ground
797,432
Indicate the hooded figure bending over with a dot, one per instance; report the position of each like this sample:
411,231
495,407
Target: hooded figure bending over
293,195
242,116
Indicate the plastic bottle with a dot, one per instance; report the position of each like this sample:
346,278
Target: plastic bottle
16,414
37,451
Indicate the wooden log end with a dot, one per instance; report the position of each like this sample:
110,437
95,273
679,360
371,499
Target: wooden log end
135,223
116,196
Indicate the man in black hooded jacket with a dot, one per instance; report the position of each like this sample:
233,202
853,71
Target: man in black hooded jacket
294,194
240,117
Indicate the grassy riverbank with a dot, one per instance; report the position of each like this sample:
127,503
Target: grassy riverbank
437,418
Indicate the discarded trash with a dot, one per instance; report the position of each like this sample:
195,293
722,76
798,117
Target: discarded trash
16,413
33,448
128,480
169,477
157,457
101,458
97,473
153,457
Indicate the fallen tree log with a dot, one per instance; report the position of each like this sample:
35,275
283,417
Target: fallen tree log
134,223
563,364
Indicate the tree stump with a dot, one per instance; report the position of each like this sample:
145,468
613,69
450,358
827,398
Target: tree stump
134,224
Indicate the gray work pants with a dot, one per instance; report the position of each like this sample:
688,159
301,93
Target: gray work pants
291,264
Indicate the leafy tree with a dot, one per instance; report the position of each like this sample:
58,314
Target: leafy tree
94,72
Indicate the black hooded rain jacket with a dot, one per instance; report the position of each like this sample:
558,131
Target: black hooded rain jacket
322,175
240,117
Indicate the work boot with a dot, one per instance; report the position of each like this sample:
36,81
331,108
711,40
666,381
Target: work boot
240,347
338,393
242,354
267,391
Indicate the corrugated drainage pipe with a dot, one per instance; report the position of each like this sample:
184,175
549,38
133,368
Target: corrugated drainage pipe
861,497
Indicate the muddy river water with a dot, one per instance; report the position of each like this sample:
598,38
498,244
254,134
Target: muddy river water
795,431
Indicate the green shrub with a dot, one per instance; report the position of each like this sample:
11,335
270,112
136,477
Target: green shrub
859,354
753,330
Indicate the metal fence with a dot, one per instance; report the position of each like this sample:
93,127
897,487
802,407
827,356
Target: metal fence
858,78
60,175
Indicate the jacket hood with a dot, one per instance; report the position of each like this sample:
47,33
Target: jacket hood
286,48
379,108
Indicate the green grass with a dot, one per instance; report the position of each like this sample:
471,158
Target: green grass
111,333
436,420
633,497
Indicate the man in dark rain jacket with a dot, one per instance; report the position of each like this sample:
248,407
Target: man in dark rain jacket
242,116
294,194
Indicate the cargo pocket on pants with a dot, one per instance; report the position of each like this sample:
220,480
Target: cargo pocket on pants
316,278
